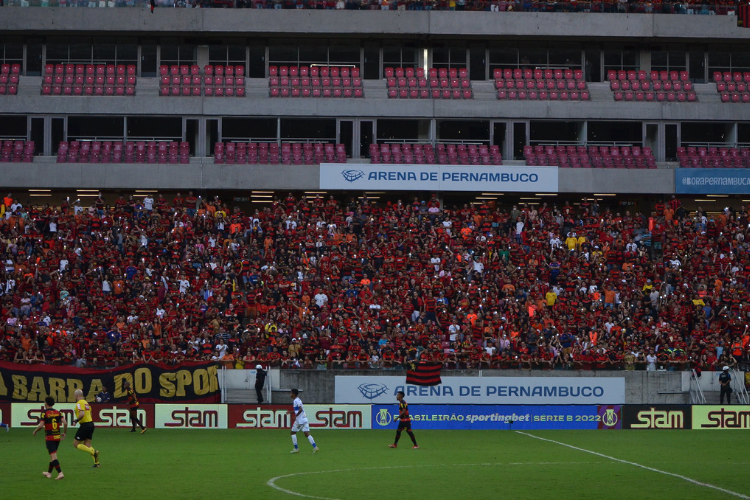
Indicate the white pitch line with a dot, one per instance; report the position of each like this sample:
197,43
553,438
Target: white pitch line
272,482
678,476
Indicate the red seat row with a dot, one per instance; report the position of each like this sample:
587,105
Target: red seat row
432,83
90,69
410,72
88,90
442,154
270,153
735,97
646,85
16,151
729,76
294,81
314,71
430,94
655,96
213,81
539,74
123,152
590,157
713,157
632,75
8,88
544,95
548,85
315,92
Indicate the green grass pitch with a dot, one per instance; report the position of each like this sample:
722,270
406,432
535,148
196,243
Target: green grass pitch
358,465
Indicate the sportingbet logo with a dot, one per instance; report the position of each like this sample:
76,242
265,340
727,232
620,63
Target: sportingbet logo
117,417
188,416
372,391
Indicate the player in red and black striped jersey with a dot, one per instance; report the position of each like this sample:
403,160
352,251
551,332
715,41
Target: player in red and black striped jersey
404,421
52,421
133,403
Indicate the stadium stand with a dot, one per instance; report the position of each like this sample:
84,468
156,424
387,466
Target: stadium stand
241,153
713,157
9,78
89,80
590,157
440,154
123,152
443,83
733,86
213,81
314,81
16,151
538,84
553,308
659,86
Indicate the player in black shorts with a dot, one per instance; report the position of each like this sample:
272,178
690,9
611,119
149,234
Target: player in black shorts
52,421
404,422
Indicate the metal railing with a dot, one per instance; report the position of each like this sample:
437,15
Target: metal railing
696,393
738,386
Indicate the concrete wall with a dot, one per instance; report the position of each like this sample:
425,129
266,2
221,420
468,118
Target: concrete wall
147,102
206,175
641,387
372,24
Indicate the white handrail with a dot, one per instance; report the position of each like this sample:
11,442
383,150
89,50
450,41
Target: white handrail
696,393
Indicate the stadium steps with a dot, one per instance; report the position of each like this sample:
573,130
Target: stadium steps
246,396
29,86
600,92
256,88
484,90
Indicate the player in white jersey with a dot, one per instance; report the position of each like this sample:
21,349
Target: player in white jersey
300,422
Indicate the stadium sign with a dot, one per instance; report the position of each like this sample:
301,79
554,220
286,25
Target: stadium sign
190,416
501,417
5,413
712,180
388,177
282,417
483,390
657,417
194,383
721,417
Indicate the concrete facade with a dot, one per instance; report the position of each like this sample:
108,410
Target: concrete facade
641,387
206,175
375,24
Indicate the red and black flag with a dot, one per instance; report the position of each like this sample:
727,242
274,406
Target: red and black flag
424,374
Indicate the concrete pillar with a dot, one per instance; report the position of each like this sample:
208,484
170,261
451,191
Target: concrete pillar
645,58
202,55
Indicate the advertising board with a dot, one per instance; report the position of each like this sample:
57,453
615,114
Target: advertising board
501,417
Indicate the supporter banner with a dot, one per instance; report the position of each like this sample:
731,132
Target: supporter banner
484,390
721,417
657,417
190,416
282,416
5,413
197,383
104,415
501,417
712,180
438,178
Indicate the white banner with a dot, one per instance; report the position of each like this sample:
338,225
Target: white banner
27,414
484,390
190,416
339,417
385,177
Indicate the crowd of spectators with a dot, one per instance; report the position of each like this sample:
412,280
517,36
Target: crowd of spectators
313,284
708,7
